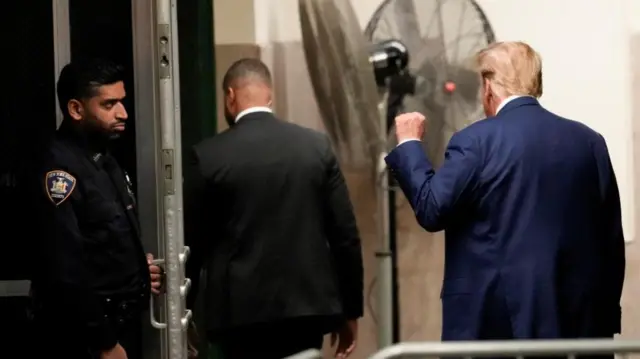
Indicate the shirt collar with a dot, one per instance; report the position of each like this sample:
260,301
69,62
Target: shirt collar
253,110
509,99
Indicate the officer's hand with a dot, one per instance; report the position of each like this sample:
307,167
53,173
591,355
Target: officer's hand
156,273
116,352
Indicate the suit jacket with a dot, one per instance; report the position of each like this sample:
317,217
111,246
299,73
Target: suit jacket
531,212
268,209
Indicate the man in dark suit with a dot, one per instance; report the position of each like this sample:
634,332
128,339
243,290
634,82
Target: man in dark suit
269,216
530,208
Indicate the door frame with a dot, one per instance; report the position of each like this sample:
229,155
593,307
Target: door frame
148,147
61,44
158,147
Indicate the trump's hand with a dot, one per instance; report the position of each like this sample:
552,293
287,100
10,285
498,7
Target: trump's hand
410,126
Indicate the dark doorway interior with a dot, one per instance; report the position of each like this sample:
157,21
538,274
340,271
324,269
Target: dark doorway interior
105,31
27,120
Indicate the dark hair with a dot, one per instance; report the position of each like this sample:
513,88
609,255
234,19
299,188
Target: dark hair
246,68
79,79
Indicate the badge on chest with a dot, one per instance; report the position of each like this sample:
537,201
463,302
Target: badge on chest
59,185
129,187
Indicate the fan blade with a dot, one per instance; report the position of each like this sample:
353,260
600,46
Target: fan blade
467,83
317,67
342,78
408,27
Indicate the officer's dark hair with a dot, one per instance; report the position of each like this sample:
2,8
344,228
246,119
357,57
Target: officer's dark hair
251,69
80,78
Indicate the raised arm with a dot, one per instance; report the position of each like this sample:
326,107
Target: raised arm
434,195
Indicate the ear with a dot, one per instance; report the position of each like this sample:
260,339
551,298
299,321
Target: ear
488,91
270,97
75,109
231,94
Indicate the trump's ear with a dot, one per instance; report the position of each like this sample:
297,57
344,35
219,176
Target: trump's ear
486,86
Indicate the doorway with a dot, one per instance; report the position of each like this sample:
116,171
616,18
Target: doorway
44,37
105,31
27,120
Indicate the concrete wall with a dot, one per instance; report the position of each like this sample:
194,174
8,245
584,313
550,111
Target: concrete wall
587,77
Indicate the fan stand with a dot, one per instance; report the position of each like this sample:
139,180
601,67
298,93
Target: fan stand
388,299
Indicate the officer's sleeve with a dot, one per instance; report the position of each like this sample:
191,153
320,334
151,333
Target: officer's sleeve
344,238
612,235
66,267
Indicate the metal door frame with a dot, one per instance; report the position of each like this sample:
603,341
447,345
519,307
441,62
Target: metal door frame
159,168
145,96
61,44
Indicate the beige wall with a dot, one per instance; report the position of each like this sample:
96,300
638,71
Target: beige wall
420,254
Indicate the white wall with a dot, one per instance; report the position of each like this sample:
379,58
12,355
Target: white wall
586,60
633,16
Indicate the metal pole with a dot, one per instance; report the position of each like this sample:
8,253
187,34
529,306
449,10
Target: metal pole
307,354
384,255
394,103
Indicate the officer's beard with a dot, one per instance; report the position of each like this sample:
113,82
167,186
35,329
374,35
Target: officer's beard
98,135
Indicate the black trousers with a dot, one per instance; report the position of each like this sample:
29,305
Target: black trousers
54,338
270,340
15,325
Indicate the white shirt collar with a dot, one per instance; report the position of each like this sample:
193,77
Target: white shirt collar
252,110
507,100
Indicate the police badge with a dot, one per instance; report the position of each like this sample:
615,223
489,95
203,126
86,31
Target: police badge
59,185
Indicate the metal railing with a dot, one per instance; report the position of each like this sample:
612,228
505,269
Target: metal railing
307,354
512,348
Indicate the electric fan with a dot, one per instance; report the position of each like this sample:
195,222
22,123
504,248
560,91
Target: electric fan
442,37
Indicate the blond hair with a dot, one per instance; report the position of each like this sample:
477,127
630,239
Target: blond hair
511,68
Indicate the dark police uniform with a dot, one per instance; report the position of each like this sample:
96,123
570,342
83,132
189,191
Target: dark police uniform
92,280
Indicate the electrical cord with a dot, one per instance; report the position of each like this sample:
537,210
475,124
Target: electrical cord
369,295
374,281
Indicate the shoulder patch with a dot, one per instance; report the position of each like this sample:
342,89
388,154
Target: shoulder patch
59,185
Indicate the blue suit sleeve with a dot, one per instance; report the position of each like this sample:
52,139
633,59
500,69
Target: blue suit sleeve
434,195
612,233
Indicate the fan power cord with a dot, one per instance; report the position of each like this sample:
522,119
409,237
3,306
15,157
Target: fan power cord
368,299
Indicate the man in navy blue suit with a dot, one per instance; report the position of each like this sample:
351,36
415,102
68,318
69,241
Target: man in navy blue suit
530,208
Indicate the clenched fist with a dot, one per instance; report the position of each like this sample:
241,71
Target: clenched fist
410,126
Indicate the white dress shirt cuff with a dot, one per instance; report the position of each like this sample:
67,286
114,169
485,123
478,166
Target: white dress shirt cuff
407,140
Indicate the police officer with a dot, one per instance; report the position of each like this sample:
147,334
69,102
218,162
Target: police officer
93,279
